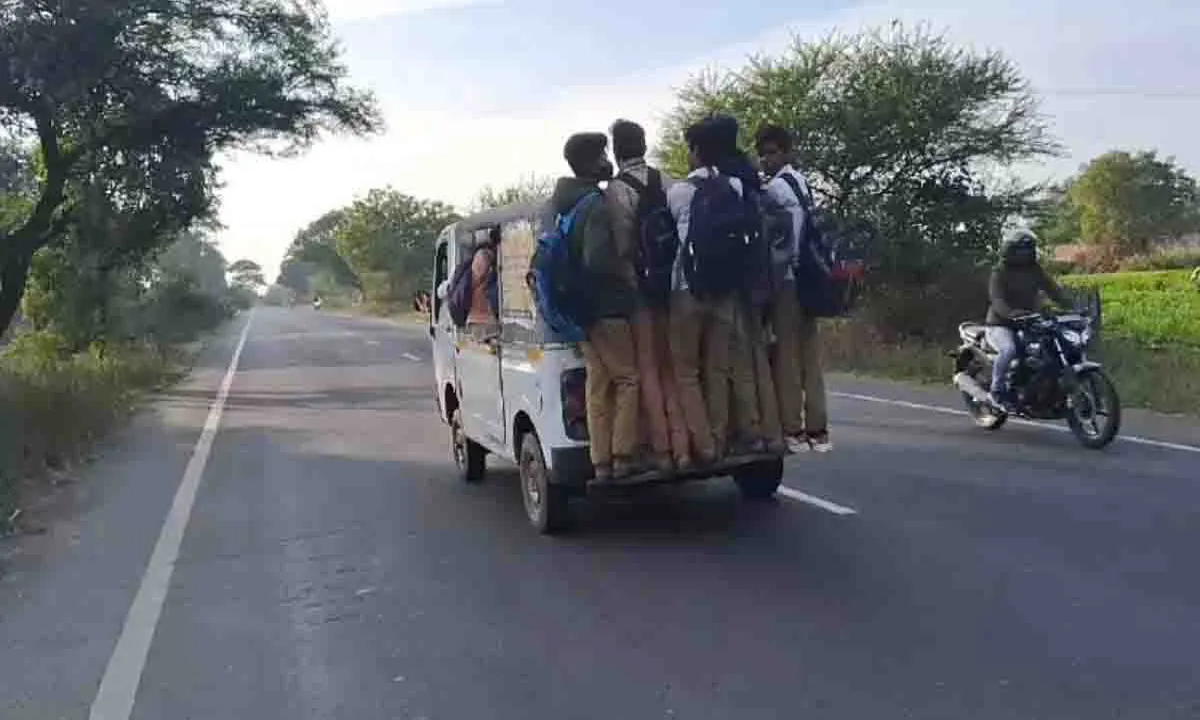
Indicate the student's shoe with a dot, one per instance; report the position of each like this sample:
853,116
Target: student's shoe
624,467
797,444
684,464
820,441
664,465
603,473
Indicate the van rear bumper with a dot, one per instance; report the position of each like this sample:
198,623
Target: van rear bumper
572,466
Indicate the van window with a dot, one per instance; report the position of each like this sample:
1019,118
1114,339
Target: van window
441,271
517,243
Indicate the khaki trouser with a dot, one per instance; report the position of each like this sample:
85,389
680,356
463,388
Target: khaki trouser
799,378
661,409
701,335
612,391
757,358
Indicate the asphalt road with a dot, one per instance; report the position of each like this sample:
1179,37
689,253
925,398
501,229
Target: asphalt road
332,568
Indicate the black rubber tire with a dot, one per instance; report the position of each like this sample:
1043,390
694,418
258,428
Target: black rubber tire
547,505
760,480
1104,385
469,456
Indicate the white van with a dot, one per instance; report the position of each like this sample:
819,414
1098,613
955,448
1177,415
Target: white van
520,396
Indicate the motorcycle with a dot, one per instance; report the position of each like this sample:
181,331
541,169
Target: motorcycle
316,303
1052,377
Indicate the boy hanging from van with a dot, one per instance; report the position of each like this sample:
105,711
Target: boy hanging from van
753,383
645,233
608,350
709,212
799,378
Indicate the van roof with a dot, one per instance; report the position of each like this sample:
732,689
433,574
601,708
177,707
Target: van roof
504,213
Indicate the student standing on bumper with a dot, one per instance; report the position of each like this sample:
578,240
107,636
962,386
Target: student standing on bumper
755,402
701,331
799,378
660,398
608,351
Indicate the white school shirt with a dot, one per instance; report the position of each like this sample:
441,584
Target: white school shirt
780,193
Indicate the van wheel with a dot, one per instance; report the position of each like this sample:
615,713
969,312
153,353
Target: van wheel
546,504
760,480
469,455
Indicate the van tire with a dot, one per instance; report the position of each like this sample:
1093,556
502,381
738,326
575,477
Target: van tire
547,504
469,456
760,480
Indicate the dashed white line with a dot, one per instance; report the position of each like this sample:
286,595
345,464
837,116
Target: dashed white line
1030,423
118,688
816,501
410,356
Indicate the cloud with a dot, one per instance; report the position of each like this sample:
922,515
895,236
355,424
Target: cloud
449,155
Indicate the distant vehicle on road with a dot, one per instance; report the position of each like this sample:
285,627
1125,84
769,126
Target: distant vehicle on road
520,395
316,303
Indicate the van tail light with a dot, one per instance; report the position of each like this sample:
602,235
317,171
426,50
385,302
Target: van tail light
574,404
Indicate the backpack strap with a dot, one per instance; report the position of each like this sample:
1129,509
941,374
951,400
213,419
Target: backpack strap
801,196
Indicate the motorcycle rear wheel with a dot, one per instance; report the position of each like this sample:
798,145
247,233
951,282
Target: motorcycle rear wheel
1096,396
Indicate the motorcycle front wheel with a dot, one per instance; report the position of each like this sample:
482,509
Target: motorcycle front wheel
1094,415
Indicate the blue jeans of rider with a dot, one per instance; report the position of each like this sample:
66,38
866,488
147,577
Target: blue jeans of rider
1004,340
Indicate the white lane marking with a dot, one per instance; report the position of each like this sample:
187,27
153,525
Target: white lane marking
374,342
816,501
410,356
1136,440
118,688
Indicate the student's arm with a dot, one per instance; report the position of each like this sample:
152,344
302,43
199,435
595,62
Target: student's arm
781,194
996,297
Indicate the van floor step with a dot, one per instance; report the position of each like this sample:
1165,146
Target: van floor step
716,469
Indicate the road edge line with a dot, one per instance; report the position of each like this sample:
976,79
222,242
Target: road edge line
118,686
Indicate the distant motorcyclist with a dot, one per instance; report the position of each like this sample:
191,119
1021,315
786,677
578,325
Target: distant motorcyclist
1014,289
316,302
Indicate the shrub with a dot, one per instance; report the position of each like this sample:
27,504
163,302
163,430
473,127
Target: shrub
1151,308
55,404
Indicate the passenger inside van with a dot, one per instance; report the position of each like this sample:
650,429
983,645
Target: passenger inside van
483,318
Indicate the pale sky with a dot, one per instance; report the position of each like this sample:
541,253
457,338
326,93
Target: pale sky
485,92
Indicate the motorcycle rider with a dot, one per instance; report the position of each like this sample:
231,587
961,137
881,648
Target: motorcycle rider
1014,289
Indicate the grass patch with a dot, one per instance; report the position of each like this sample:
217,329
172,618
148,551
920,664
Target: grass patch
56,405
1156,309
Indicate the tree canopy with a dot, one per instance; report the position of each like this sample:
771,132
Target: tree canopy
387,239
128,102
895,129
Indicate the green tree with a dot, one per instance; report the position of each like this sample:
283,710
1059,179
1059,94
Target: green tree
247,274
139,95
894,129
314,252
1129,201
1057,220
387,239
527,189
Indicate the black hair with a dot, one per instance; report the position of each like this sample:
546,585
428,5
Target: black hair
582,150
774,135
725,133
629,140
702,138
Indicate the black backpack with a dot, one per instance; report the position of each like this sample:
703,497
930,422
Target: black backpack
717,246
658,237
826,285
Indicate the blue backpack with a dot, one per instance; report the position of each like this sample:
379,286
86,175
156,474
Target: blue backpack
458,295
556,278
718,245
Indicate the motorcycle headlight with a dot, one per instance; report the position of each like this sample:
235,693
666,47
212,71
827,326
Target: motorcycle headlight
1073,336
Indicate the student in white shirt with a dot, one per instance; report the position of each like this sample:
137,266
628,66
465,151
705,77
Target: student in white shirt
700,331
799,378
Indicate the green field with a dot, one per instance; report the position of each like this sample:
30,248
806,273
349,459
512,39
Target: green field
1157,309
